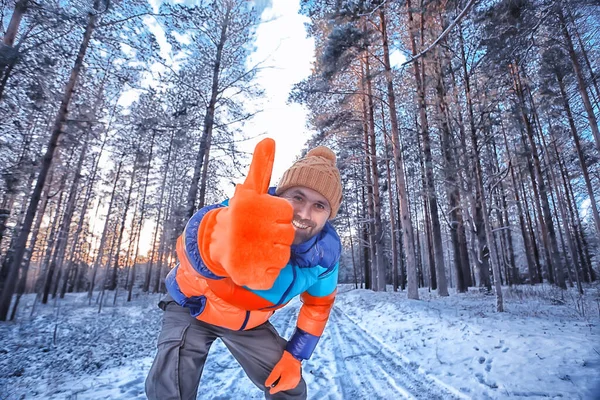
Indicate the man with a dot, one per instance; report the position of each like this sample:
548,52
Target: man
241,260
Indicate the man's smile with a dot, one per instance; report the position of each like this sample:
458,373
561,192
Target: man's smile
299,225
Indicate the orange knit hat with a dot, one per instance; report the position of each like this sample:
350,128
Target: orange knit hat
316,171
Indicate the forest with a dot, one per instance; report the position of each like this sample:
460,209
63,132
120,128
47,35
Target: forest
466,134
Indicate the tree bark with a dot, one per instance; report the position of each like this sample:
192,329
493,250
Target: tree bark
9,54
142,213
112,283
378,225
442,285
488,228
372,265
580,78
146,287
105,230
205,140
537,180
580,155
563,213
52,244
393,237
75,240
63,233
450,172
480,258
399,174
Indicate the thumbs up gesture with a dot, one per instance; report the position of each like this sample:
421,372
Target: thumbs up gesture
250,240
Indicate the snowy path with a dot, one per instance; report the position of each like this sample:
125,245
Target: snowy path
369,369
375,346
348,363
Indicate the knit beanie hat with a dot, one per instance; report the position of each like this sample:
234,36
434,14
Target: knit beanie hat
316,171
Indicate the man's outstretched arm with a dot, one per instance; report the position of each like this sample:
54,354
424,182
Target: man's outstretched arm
317,303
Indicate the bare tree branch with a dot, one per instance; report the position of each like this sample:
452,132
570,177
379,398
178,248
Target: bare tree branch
444,34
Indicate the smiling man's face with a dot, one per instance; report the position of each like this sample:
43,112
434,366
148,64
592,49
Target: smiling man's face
311,211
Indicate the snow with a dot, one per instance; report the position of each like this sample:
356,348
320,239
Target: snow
376,346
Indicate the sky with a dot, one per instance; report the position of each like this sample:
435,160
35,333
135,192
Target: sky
375,346
283,44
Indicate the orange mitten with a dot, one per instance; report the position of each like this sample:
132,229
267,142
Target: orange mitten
250,239
287,374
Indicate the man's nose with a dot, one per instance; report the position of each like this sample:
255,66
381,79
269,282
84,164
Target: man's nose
304,211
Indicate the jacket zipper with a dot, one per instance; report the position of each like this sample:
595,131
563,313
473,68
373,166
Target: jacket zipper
245,321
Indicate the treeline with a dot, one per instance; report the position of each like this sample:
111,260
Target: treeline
118,120
468,138
466,134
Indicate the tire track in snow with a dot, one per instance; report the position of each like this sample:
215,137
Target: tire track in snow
367,369
348,363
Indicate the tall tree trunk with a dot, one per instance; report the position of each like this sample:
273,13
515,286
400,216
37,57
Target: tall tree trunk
463,160
366,239
580,155
488,227
589,275
530,228
584,53
164,236
393,237
204,176
112,283
450,172
13,182
580,78
142,212
417,236
52,249
442,285
146,287
372,264
556,259
6,296
205,140
480,258
21,285
63,233
427,235
9,256
9,54
531,268
349,227
505,221
407,225
105,230
378,225
563,215
538,184
86,203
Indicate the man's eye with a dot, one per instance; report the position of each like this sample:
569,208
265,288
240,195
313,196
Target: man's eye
320,206
298,198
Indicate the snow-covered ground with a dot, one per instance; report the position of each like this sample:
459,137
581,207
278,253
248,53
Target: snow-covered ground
376,346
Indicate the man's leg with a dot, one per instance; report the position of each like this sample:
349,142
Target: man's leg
258,350
183,345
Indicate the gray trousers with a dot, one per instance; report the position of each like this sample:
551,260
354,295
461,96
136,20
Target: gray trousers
183,345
